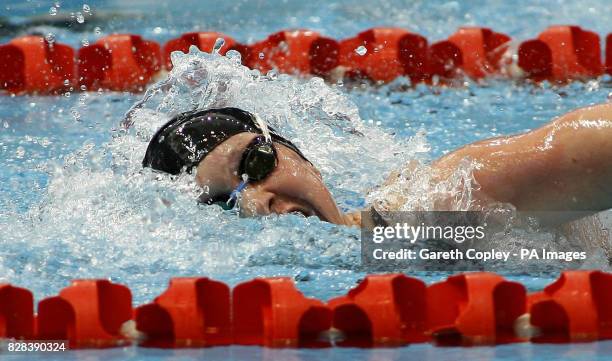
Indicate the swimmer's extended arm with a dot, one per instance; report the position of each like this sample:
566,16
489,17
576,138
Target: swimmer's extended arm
565,165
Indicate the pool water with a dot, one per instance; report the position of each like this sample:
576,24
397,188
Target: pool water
75,203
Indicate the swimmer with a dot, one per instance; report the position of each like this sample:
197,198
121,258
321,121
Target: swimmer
565,165
236,163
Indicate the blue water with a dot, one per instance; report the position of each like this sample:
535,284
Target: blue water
73,202
600,351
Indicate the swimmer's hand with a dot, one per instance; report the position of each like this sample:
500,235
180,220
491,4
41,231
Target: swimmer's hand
366,218
353,219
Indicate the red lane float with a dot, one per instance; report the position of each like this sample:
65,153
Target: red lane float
292,52
192,312
413,55
609,54
444,59
575,52
31,64
205,41
16,312
272,312
121,62
535,59
383,310
481,50
562,53
475,308
574,308
125,62
89,313
383,54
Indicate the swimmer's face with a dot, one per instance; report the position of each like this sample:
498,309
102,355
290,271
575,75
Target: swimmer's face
294,185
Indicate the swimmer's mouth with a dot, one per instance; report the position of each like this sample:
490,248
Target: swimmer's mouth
300,211
298,206
306,212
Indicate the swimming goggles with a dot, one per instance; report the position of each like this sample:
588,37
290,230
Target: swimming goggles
259,159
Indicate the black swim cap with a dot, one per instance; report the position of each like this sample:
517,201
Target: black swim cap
188,137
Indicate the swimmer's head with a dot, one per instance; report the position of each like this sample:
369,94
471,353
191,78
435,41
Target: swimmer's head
229,153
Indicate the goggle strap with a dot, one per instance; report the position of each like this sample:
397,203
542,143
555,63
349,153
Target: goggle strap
234,195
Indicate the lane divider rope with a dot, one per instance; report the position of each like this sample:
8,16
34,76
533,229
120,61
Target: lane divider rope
382,310
126,62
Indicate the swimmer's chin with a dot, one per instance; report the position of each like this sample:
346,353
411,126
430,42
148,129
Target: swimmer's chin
352,219
344,219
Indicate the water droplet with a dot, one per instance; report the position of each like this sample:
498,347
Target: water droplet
86,9
75,114
592,85
80,18
83,87
361,50
52,11
20,152
261,55
57,4
317,82
85,42
194,50
302,276
157,30
218,45
67,94
5,124
283,46
66,82
97,30
50,38
234,55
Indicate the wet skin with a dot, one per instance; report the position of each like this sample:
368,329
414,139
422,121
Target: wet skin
566,165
